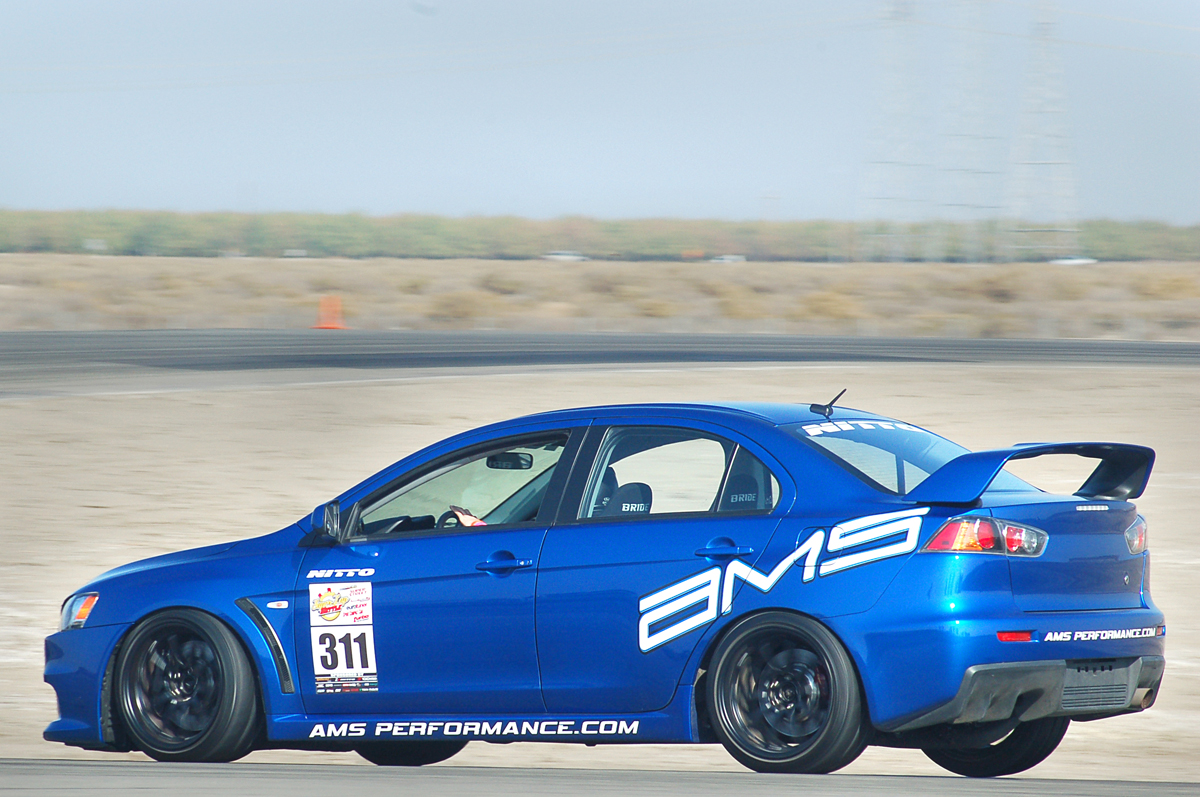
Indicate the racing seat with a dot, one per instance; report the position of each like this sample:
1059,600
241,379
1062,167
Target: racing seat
608,488
629,499
741,493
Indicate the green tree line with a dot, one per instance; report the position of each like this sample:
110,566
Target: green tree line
502,237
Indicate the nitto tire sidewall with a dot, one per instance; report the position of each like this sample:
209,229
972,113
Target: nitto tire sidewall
233,727
845,717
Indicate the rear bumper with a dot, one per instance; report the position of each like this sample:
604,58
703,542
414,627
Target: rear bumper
1082,689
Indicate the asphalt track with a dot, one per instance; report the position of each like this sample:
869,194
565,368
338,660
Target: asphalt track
255,780
226,350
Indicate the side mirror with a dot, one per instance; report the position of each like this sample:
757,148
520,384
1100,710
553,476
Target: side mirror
327,519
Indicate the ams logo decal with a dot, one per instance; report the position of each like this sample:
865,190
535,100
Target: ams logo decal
713,589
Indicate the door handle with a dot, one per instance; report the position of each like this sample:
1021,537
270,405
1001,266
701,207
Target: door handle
724,551
503,565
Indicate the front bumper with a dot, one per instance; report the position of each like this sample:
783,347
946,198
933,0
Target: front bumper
75,665
1082,689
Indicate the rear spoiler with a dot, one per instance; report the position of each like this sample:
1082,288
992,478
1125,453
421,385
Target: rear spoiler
1121,475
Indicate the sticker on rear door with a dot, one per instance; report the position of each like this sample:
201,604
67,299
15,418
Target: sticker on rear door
343,637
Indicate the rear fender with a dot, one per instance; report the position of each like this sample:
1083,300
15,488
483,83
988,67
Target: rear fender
822,585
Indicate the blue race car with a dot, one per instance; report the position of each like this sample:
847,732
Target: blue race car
795,582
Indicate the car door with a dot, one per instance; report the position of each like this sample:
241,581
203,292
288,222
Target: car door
634,565
416,611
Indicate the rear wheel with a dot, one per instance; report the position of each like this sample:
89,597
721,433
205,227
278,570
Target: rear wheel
1027,746
408,754
783,696
185,691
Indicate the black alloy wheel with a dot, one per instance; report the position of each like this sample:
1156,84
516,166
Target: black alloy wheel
1027,746
783,696
185,691
408,754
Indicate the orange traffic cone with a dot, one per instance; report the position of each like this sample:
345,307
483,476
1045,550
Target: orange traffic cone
329,314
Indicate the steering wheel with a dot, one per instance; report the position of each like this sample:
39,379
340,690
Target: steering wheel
444,519
397,523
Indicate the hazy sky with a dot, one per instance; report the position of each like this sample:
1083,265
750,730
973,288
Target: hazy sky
619,108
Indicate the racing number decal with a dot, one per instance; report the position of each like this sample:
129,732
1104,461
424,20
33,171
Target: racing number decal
343,638
329,654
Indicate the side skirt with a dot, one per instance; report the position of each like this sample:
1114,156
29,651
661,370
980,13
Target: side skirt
300,731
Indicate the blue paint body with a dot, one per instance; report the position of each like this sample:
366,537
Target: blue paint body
554,647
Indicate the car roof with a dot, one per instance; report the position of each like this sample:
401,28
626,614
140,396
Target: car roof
774,413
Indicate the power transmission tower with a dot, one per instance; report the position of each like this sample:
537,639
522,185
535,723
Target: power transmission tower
1042,206
897,196
968,190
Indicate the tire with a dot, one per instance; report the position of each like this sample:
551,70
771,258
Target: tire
408,754
185,690
783,696
1027,746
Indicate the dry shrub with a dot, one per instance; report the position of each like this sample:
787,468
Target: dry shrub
1001,326
734,300
323,283
415,285
500,284
739,302
1070,287
1000,287
832,305
1166,286
603,284
657,308
462,306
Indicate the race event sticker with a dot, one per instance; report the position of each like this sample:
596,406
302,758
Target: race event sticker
343,638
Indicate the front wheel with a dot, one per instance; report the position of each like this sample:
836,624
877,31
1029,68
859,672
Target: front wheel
1027,746
185,691
408,754
783,696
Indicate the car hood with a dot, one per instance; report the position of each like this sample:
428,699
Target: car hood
166,560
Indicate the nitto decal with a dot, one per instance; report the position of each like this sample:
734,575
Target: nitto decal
480,729
343,637
833,427
716,585
362,572
1104,636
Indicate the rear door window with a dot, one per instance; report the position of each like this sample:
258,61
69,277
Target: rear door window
661,470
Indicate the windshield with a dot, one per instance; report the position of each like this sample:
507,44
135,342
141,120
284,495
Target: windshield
888,455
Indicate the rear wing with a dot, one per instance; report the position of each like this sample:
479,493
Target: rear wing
1121,475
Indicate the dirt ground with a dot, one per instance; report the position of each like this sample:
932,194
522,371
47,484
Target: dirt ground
98,480
1148,300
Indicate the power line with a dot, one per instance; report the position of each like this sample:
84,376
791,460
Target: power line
1106,17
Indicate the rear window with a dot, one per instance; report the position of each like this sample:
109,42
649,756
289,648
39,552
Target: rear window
888,455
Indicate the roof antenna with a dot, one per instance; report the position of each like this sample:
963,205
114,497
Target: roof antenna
826,409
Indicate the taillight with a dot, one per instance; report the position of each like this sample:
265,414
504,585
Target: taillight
1022,540
986,535
1135,535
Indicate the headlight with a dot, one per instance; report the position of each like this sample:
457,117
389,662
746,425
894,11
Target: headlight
76,609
